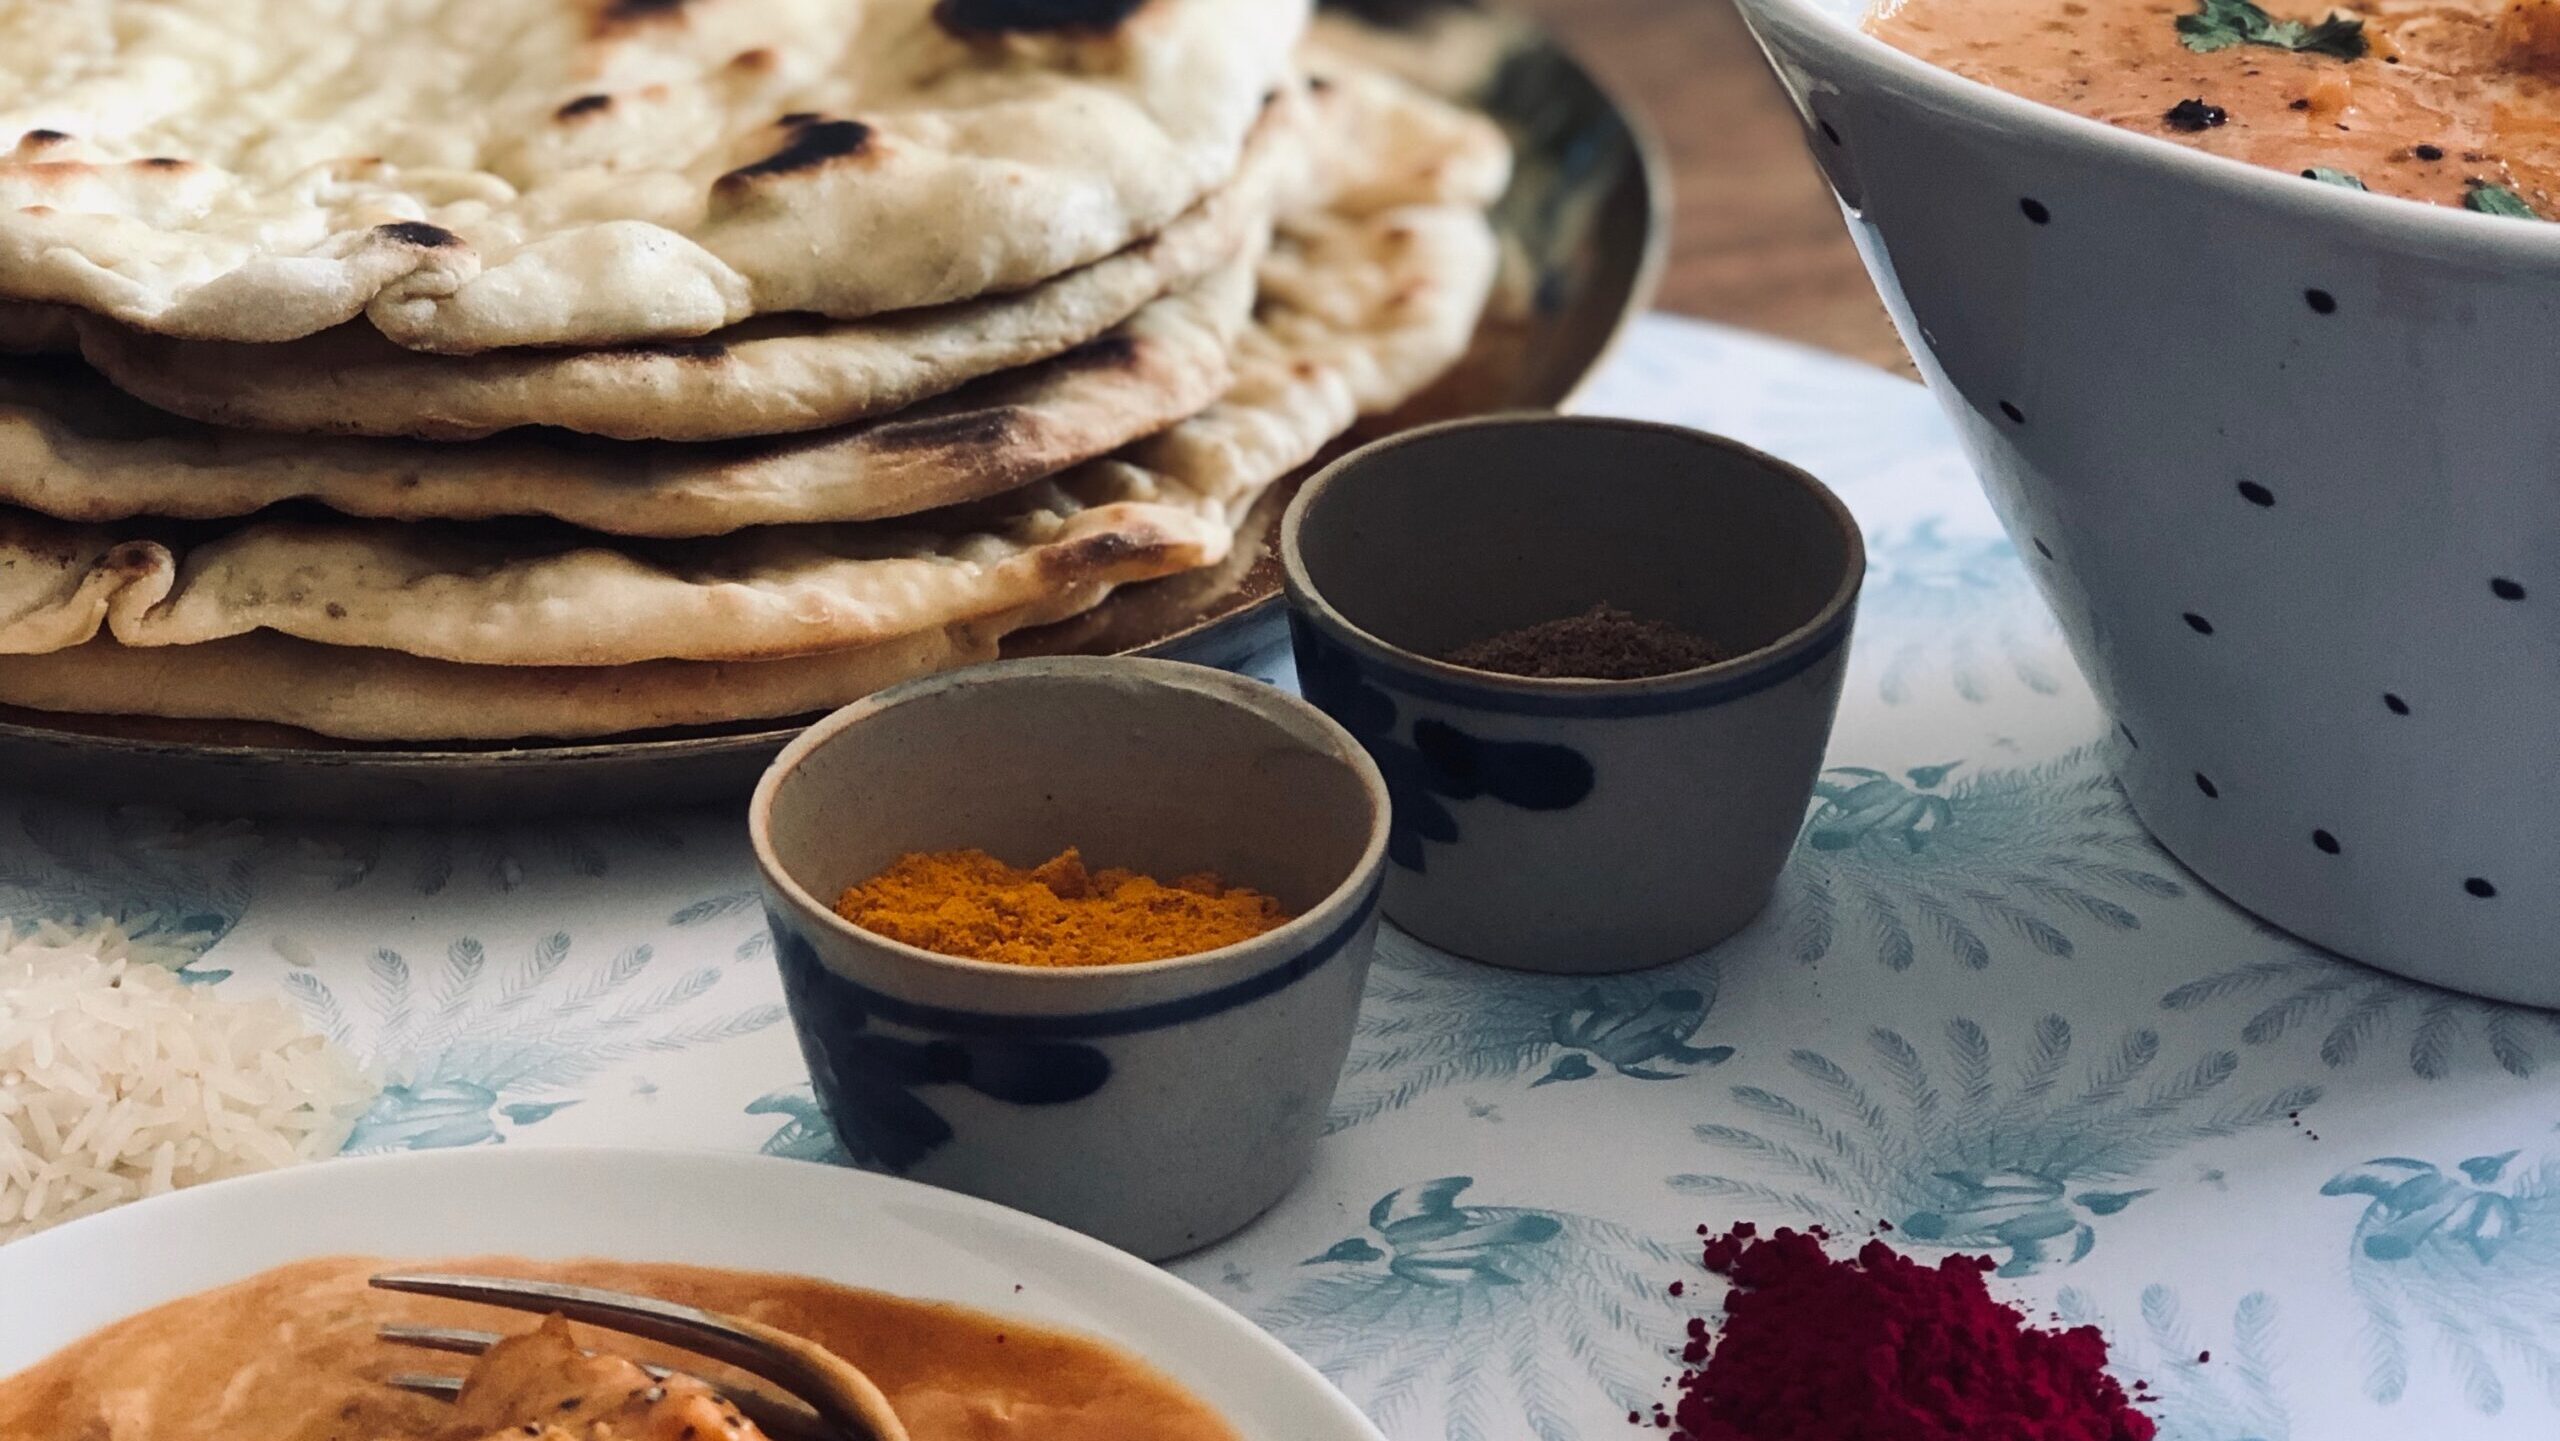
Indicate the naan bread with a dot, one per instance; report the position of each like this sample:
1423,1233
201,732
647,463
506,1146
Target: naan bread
773,375
74,448
512,598
382,695
1170,500
1404,292
470,174
1380,143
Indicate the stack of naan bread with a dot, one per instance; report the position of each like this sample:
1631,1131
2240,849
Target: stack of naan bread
475,369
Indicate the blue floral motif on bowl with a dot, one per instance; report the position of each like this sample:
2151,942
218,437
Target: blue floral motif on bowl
1441,763
867,1081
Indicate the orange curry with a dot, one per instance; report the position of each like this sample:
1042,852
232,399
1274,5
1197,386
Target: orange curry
290,1355
2453,103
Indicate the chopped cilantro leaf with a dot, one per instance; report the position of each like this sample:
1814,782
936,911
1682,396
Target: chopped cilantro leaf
2327,176
2491,199
2221,24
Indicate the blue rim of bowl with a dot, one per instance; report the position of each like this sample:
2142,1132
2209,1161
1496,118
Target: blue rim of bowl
1412,673
2484,237
1344,908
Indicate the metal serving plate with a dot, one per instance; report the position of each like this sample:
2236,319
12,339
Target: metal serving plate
1585,223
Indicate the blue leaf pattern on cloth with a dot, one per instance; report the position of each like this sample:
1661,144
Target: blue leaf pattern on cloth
1431,1021
2209,1387
505,857
2308,999
179,883
2467,1256
1504,1322
1958,1154
1941,860
1942,610
804,1134
428,1116
462,1043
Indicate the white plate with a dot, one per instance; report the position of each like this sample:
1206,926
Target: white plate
744,1212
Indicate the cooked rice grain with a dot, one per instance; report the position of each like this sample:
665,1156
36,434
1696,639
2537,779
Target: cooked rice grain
120,1081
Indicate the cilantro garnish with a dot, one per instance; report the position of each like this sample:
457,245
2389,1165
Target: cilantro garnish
2327,176
2222,24
2491,199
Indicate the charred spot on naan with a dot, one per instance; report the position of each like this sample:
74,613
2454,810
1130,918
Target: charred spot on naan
959,433
979,430
615,16
584,105
418,233
967,18
671,350
36,143
133,559
815,145
1117,552
1117,351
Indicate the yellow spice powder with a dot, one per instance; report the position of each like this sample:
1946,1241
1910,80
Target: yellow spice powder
967,903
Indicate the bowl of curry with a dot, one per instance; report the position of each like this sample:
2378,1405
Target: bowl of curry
2243,315
239,1311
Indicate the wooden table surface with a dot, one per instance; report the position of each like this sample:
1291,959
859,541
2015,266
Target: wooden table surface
1757,240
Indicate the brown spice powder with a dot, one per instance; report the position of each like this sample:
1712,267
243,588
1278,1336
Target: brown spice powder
1602,643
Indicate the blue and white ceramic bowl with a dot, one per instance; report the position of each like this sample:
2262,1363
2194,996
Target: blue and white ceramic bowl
1576,825
1157,1106
2282,457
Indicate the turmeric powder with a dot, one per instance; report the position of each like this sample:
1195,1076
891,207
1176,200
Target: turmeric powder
967,903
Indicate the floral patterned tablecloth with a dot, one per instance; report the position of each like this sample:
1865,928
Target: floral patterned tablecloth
2306,1200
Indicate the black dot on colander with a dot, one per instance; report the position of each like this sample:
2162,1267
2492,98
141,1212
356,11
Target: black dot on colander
2016,416
2043,549
2394,704
2480,888
1827,132
2256,494
2321,302
2325,841
2034,210
2204,783
2505,589
2198,624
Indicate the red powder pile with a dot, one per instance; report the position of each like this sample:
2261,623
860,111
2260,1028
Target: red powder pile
1883,1348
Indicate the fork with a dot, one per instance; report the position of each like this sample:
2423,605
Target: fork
833,1401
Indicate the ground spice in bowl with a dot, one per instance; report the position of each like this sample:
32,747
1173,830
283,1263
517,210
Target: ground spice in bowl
1817,1348
1602,643
969,904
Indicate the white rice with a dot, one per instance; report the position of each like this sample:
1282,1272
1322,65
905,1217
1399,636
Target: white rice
119,1081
